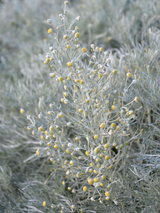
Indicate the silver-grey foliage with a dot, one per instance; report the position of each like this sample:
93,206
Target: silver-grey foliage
129,33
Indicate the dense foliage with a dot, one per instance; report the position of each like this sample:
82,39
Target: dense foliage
80,97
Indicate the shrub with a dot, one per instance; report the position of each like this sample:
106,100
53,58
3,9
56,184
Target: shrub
129,30
92,137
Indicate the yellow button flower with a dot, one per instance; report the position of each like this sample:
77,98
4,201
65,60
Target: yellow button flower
113,125
90,181
129,75
84,50
84,188
37,152
21,111
96,137
60,78
114,71
40,129
96,180
102,126
113,107
107,157
69,64
136,99
77,35
49,30
107,194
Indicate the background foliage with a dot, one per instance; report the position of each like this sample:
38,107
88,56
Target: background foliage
129,31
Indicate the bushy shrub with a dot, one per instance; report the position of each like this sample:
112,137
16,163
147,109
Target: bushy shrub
93,137
128,31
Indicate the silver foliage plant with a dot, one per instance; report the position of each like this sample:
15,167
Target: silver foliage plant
27,83
97,140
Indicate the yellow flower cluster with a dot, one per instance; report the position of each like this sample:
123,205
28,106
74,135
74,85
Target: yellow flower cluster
95,113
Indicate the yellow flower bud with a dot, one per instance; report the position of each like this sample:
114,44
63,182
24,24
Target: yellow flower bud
52,74
60,78
77,80
40,129
136,99
56,146
49,30
96,137
37,152
84,50
84,188
68,47
67,150
106,146
90,181
69,64
107,194
114,71
21,111
102,126
103,177
65,36
113,125
129,75
96,180
77,35
69,78
95,172
87,153
113,107
97,150
107,157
